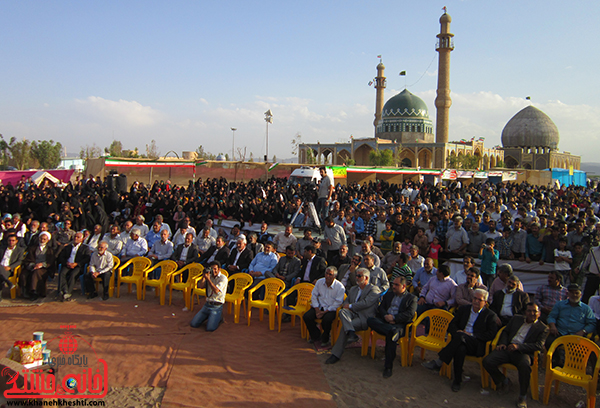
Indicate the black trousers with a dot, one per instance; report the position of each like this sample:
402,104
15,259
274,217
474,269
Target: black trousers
459,347
591,286
327,320
386,329
90,284
516,358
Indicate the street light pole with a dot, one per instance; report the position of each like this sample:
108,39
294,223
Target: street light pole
233,143
268,119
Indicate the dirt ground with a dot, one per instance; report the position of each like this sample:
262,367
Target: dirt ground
156,360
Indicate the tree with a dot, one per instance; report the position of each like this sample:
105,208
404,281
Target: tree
21,153
350,162
296,141
4,150
47,153
115,149
381,157
152,150
274,159
465,162
310,156
202,155
90,152
251,159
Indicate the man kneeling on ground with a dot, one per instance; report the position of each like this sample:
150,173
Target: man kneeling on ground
216,287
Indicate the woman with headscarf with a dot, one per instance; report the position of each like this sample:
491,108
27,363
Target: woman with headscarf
39,263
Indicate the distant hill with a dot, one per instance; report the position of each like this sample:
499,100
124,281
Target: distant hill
592,169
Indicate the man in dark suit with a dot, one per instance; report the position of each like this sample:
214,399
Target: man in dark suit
11,256
360,304
240,258
313,266
521,337
73,258
510,301
396,310
218,252
187,252
471,328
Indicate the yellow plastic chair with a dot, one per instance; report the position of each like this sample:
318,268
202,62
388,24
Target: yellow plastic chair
437,337
167,267
195,292
14,279
273,288
139,265
577,353
404,342
241,282
111,283
304,292
194,269
534,379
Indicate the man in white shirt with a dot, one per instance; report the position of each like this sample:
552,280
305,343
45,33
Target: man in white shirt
139,223
135,246
216,287
204,241
115,243
101,265
126,231
95,238
327,296
284,239
162,249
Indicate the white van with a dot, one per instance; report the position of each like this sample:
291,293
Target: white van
308,175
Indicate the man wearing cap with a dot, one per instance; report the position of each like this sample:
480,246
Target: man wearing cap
570,316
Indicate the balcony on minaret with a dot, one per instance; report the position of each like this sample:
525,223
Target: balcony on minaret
444,43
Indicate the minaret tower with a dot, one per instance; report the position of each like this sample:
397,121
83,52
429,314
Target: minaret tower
380,86
443,102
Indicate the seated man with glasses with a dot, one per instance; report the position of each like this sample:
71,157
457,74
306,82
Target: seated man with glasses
471,328
360,304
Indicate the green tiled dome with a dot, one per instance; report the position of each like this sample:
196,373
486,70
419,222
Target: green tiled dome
405,104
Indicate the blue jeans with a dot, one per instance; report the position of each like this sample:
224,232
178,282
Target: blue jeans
210,312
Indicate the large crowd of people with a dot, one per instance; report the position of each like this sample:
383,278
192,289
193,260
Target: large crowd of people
380,260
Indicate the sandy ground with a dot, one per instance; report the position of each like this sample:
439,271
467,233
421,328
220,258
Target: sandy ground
246,366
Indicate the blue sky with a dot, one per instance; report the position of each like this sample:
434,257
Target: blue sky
184,72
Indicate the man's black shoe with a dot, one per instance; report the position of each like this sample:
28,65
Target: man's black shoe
387,372
332,360
352,338
455,387
92,295
105,297
395,335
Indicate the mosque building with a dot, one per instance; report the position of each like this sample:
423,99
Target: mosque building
402,124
